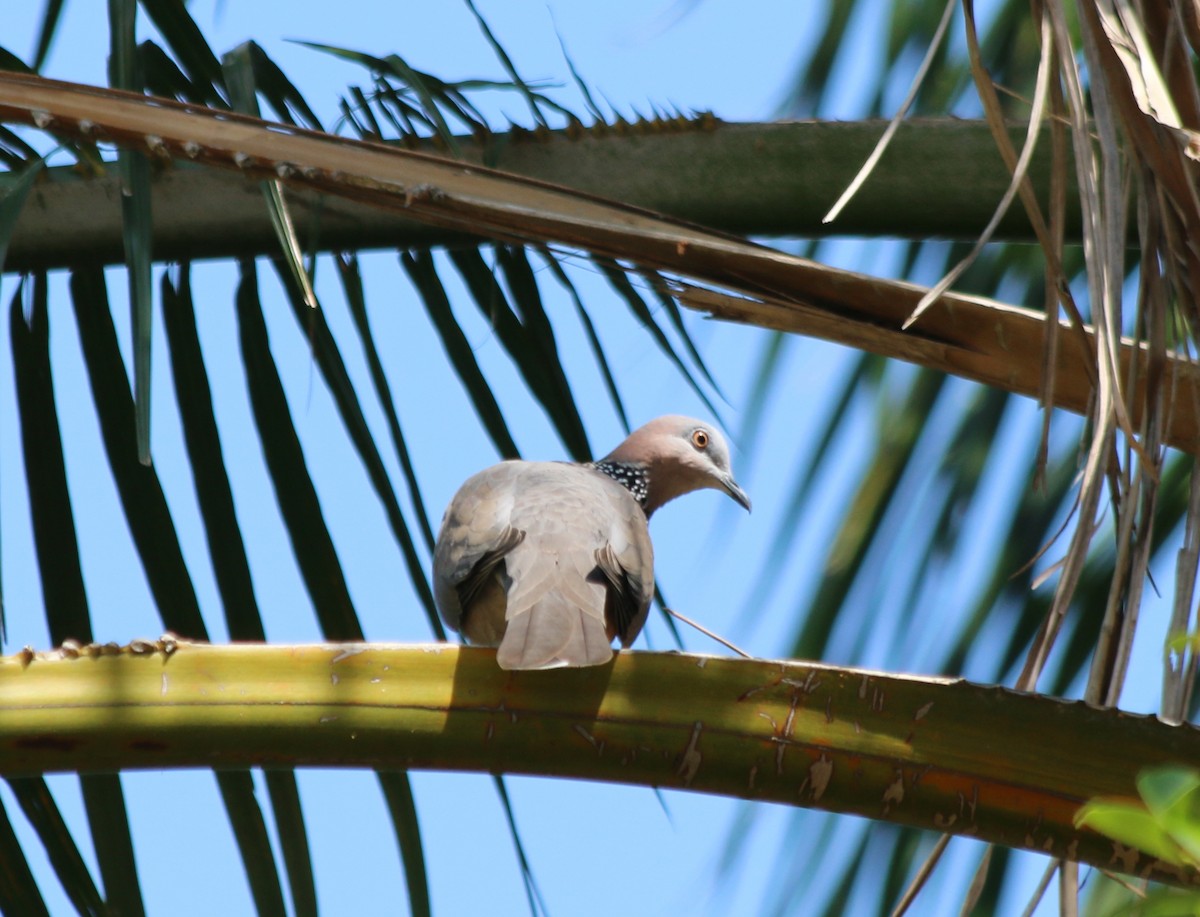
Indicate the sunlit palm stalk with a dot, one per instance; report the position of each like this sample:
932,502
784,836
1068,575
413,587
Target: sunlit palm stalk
931,752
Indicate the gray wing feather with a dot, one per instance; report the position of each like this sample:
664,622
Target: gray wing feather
474,537
569,549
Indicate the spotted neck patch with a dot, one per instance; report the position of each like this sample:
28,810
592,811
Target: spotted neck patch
634,478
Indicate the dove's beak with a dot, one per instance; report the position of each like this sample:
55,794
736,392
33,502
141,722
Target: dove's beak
734,490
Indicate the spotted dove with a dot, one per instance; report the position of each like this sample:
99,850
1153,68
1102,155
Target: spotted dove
551,560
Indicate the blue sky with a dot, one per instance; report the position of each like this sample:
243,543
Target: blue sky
595,849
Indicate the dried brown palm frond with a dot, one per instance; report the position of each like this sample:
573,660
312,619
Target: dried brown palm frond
1117,85
1134,142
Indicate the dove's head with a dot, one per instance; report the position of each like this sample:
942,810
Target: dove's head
671,456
